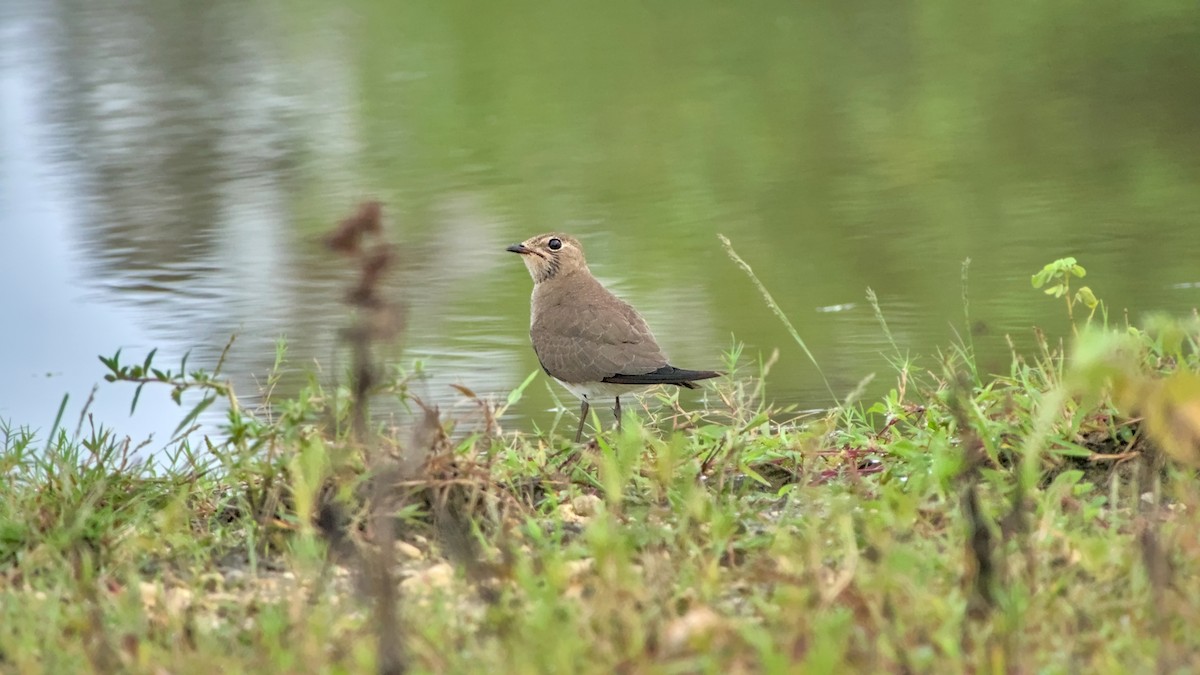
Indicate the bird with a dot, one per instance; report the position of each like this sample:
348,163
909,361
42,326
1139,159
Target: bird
590,341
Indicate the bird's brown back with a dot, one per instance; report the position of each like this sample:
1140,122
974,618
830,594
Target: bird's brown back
583,333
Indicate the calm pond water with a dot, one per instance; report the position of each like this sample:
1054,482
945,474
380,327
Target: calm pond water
167,169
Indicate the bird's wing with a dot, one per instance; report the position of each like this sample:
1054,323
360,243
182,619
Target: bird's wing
587,341
665,375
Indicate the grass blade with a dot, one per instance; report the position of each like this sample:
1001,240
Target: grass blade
778,312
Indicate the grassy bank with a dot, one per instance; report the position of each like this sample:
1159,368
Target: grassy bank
1042,519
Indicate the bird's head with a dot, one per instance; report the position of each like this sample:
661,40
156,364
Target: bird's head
550,255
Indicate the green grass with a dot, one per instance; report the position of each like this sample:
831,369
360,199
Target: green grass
1042,519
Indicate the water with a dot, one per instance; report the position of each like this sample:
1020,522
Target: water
167,170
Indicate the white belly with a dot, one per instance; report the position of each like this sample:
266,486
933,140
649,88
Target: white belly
601,391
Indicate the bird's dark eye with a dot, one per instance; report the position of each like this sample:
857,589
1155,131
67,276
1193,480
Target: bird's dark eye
554,244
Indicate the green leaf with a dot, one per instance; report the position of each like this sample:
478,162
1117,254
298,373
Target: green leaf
755,475
1086,296
149,358
62,408
136,394
760,418
1067,478
1070,449
515,394
191,416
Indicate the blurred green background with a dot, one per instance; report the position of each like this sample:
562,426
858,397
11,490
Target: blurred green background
169,166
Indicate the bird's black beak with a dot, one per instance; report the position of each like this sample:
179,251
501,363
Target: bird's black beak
518,248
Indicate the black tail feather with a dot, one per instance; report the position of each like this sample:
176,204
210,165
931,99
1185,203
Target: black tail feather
665,375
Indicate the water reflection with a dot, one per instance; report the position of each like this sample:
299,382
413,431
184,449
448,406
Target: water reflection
181,159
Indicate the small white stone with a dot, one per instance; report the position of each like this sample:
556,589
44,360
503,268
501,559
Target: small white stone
409,551
440,575
578,568
586,506
690,630
178,600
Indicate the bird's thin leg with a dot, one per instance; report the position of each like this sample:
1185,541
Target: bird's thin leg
583,411
617,412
